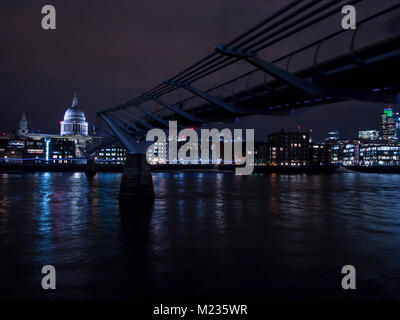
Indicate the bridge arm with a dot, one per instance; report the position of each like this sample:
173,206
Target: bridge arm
127,140
304,85
136,182
314,89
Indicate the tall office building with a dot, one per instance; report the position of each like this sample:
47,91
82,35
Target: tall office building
23,126
388,124
397,128
368,135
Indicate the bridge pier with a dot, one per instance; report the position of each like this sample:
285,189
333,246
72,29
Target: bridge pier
90,170
136,183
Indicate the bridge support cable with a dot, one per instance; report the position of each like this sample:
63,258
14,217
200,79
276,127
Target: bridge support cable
182,113
204,71
152,115
219,102
265,21
208,64
227,62
286,22
189,116
212,63
160,92
129,126
279,23
205,62
291,54
335,91
141,121
128,104
262,44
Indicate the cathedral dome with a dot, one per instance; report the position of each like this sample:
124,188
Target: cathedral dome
74,120
74,114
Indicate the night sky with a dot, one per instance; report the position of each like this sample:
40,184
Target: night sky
110,51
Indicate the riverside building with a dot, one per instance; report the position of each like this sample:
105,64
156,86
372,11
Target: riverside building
65,147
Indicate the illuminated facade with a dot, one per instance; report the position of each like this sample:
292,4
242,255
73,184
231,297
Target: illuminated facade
369,135
351,152
157,153
260,153
114,154
370,153
379,154
74,121
388,124
319,155
49,150
288,149
59,150
74,128
333,148
397,128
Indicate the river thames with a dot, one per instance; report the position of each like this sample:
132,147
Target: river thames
208,235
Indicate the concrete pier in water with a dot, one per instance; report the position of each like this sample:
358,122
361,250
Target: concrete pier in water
90,169
137,182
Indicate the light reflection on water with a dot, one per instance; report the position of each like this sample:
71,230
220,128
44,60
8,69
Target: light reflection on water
207,234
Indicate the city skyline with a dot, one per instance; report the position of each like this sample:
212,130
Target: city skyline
294,126
282,149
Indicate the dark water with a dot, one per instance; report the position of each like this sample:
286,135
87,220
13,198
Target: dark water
207,235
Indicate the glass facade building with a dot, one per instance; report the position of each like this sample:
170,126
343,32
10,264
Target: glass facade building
388,124
369,135
114,154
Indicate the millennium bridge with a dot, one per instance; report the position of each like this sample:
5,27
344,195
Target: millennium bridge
298,57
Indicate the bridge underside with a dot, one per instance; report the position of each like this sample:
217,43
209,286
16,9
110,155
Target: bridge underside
367,74
372,71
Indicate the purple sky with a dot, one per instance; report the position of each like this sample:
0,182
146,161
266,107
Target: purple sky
109,51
